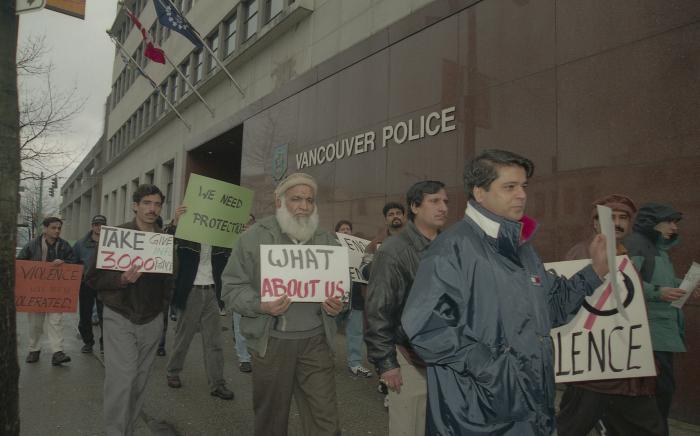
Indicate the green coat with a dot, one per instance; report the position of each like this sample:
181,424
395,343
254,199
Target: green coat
649,253
241,282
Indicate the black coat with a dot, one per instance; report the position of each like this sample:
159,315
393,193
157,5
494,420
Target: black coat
188,259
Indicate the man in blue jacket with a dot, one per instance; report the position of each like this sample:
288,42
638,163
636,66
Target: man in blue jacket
482,305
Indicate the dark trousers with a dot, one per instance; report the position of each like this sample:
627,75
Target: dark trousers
665,384
88,298
622,415
302,368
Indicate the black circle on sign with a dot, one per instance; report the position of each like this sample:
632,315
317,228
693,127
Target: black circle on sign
609,312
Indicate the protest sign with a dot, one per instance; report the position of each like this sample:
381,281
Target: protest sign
356,248
120,248
690,282
216,211
600,343
306,273
45,287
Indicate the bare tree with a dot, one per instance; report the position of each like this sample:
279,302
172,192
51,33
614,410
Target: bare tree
44,113
9,185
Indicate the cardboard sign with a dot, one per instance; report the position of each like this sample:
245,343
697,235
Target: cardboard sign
306,273
599,343
44,287
119,249
356,249
216,211
690,282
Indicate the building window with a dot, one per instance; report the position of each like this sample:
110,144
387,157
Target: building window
273,8
213,42
251,18
230,41
172,86
164,95
185,69
198,65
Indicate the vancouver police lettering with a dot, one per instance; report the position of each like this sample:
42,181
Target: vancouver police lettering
219,223
600,346
302,259
134,240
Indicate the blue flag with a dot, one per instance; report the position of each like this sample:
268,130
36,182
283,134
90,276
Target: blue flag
170,17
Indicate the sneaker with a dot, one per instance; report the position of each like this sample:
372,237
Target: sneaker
173,381
222,311
382,388
222,392
245,367
33,356
360,371
58,358
87,348
160,352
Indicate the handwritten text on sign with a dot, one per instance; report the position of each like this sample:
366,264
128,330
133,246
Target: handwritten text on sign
44,287
599,343
356,249
216,211
306,273
119,249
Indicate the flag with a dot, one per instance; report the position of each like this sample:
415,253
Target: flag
150,50
171,18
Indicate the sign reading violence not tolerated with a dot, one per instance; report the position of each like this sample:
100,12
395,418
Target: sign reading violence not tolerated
216,211
599,342
45,287
119,249
306,273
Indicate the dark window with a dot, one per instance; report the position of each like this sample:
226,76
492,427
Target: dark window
251,18
230,41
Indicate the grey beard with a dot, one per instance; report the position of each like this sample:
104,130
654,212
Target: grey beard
301,228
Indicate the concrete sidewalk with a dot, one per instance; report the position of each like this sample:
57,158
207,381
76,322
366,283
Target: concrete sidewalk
67,400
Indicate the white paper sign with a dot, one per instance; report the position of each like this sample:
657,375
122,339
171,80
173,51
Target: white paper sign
119,249
599,343
356,248
607,228
690,282
306,273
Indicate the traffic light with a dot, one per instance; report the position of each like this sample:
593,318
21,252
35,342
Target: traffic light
53,187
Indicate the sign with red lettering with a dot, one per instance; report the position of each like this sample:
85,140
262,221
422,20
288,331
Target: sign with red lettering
306,273
120,248
356,249
600,343
45,287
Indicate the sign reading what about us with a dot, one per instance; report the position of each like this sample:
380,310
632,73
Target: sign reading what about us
599,343
120,249
45,287
217,211
305,273
356,249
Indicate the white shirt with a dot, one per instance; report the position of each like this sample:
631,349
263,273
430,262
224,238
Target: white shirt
205,276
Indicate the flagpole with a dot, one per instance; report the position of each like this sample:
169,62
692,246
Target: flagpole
206,46
153,84
190,85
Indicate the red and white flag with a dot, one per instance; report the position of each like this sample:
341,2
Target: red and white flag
150,51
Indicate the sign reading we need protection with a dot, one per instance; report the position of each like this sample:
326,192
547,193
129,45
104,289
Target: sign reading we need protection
120,249
306,273
600,343
45,287
216,211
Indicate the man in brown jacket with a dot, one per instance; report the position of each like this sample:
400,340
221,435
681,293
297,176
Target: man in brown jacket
626,405
134,303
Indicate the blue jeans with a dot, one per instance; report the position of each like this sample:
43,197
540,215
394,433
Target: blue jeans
241,350
354,338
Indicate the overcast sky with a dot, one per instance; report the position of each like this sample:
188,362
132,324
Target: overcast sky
82,56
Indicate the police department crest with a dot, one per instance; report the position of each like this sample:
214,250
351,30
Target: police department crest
279,161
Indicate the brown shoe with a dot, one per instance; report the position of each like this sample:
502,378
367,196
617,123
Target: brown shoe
222,392
59,358
174,381
32,357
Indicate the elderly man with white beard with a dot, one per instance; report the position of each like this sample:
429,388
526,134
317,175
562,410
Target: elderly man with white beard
292,344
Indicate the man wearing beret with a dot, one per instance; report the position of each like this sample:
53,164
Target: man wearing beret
291,343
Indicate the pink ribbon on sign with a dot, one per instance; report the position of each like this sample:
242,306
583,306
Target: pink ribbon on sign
603,298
